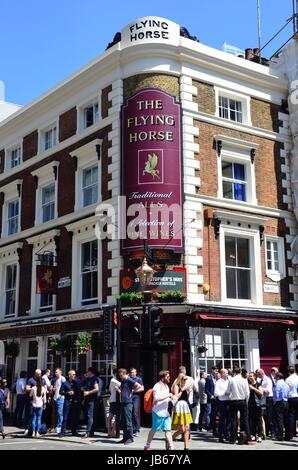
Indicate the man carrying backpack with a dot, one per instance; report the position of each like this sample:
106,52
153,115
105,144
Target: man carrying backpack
161,419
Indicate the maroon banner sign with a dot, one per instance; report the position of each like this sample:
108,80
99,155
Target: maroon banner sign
46,280
151,171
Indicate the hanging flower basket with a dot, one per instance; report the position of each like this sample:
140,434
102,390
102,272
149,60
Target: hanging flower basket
83,343
12,349
62,345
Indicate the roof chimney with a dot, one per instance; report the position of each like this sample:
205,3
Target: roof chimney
249,54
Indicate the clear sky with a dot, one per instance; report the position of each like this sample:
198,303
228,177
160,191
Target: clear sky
43,42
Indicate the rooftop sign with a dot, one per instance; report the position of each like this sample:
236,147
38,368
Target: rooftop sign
150,29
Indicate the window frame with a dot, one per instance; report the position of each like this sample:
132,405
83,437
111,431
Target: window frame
236,151
272,273
42,136
8,155
8,257
256,282
234,180
82,107
17,200
11,194
83,188
46,177
45,205
243,99
6,290
86,302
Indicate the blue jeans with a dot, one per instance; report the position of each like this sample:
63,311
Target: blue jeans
36,419
126,416
21,401
205,410
90,409
59,411
136,414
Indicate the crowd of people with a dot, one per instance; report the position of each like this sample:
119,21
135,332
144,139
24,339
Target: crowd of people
236,406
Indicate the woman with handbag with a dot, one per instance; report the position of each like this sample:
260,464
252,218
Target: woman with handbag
256,403
182,417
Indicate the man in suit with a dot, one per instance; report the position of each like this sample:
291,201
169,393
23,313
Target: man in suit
209,388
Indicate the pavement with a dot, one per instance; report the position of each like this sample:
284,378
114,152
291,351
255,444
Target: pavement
15,440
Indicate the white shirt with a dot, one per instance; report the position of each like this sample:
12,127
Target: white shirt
238,388
112,388
292,382
220,389
58,384
20,386
38,402
47,381
267,386
161,390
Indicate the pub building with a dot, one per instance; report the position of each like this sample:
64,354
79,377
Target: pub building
188,148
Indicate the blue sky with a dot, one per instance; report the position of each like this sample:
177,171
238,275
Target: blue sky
41,43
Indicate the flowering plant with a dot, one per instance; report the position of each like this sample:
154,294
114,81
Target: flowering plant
83,343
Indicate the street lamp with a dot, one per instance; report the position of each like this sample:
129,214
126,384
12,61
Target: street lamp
145,273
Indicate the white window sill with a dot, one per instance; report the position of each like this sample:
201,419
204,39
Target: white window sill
275,276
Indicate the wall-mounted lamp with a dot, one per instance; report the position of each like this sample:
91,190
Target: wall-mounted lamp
252,155
219,147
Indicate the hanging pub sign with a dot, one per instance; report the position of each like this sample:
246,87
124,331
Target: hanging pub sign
46,279
151,172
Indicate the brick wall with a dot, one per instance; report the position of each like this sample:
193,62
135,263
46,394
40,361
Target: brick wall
264,115
267,165
2,160
211,260
205,97
168,83
63,300
106,104
25,279
28,201
30,145
67,124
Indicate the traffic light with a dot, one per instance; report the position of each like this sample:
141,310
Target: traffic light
136,325
108,329
155,314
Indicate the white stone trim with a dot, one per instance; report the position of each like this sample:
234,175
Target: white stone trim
9,256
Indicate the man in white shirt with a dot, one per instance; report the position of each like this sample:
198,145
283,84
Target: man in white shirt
220,393
21,398
114,411
238,392
58,399
267,386
292,382
161,419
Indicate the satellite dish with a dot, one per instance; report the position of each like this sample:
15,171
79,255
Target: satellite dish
2,352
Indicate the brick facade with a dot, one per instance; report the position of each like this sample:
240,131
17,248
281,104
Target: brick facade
168,83
205,97
106,104
264,114
67,124
30,145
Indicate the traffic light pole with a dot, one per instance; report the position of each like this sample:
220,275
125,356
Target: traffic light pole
119,331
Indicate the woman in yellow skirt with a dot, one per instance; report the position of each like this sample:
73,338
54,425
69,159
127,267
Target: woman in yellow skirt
181,417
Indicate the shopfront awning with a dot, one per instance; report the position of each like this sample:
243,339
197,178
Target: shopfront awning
240,318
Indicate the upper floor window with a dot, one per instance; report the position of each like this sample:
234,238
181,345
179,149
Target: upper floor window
230,109
14,156
233,180
238,267
48,137
91,114
13,217
48,202
89,272
232,106
90,185
275,265
10,289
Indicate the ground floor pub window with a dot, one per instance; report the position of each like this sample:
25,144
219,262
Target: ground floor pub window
101,361
32,356
225,348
